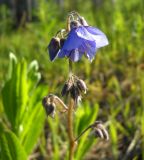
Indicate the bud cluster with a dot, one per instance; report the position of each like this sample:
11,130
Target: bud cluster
75,87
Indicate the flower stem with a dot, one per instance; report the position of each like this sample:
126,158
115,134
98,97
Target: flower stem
72,142
83,133
70,67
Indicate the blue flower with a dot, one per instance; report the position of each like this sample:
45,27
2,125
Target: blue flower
83,40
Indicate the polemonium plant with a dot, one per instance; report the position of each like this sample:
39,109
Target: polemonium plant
77,40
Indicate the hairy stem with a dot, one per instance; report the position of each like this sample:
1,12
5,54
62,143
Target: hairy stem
72,142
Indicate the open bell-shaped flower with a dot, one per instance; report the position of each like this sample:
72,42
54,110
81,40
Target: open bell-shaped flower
83,40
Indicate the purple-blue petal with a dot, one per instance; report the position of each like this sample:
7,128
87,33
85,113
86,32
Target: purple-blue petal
83,33
74,40
61,54
99,37
84,39
90,49
75,55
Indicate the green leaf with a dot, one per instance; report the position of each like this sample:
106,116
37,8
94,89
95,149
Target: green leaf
5,152
12,64
34,75
22,102
33,120
15,95
11,149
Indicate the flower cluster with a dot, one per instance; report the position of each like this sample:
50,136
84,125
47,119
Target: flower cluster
75,87
77,40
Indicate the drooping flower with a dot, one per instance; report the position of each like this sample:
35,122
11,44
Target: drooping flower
82,39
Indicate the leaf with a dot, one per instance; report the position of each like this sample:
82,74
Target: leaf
5,152
22,102
11,149
14,94
34,75
12,63
33,120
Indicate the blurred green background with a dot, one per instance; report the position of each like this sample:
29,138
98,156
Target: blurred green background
115,80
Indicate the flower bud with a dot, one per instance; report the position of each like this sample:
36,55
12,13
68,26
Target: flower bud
49,106
75,94
100,131
66,88
53,48
81,85
104,131
50,110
